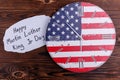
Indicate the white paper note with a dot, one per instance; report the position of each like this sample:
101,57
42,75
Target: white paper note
26,35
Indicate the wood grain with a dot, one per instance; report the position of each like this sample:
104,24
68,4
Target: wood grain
37,64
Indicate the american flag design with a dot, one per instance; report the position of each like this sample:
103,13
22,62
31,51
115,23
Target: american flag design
80,37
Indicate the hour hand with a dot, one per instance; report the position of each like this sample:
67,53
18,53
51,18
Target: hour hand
75,31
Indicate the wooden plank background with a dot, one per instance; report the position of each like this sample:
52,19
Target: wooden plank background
37,64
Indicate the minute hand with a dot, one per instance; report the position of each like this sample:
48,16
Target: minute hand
75,32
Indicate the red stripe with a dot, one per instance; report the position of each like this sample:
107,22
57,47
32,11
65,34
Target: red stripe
86,4
77,48
97,14
80,70
98,36
86,59
97,25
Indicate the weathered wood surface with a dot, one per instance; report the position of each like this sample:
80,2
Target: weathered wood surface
37,65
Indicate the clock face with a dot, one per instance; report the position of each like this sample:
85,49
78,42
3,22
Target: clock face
80,37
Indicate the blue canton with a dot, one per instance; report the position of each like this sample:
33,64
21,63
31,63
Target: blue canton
58,28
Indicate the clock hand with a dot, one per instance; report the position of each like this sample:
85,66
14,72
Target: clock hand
77,35
80,45
75,31
80,13
80,9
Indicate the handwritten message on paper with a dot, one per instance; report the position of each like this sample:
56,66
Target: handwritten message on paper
26,35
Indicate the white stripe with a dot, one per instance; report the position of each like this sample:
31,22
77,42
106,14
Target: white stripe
96,20
92,9
98,31
84,42
85,64
80,54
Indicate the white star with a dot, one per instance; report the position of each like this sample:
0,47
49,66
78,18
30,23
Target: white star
67,20
72,32
53,33
76,36
58,21
62,9
53,17
67,5
76,4
49,29
72,16
49,37
58,13
58,29
67,12
72,24
76,28
63,32
67,29
53,25
76,20
76,12
67,36
71,8
62,24
62,17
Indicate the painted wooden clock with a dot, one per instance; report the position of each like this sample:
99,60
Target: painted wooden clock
80,37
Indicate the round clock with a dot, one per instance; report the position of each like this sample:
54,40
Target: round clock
80,37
